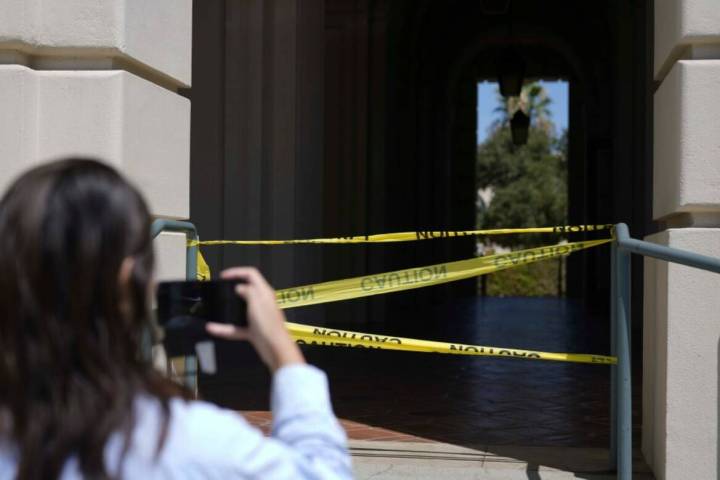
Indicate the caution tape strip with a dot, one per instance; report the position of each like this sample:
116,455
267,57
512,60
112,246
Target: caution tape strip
419,277
310,335
407,236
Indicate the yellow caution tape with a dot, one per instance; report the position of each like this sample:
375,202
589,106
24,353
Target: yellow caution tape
419,277
409,236
203,270
309,335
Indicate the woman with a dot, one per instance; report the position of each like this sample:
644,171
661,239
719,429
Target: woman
77,400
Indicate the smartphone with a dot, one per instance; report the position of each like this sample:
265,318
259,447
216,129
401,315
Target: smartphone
183,309
212,301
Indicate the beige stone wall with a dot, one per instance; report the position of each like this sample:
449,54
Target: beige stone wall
687,140
682,305
680,385
100,78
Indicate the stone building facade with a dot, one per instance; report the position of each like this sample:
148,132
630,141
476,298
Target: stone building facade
101,79
296,104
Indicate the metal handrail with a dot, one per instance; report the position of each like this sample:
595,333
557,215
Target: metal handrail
165,225
669,254
620,323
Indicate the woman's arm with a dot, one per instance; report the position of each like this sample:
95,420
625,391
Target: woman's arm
306,438
303,419
266,329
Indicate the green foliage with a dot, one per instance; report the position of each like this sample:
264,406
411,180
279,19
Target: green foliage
528,183
528,188
533,280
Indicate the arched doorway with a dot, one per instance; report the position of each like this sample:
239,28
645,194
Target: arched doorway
352,117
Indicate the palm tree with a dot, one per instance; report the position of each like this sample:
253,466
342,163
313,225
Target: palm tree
533,100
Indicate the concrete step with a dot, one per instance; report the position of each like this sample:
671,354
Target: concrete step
380,460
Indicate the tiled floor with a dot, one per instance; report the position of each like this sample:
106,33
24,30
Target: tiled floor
470,401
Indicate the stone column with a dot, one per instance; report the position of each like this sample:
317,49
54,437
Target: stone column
257,134
682,305
100,78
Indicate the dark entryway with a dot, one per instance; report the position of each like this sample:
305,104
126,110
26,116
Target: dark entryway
345,117
468,401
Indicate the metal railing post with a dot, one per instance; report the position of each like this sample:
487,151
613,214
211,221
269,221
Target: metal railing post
623,376
191,254
613,352
165,225
623,247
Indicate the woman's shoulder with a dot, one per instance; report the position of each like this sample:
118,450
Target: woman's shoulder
192,422
200,419
201,440
198,436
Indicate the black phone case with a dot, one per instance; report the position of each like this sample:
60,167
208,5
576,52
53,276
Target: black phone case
183,308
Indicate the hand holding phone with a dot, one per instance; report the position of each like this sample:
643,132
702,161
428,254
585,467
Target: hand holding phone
203,302
183,309
266,328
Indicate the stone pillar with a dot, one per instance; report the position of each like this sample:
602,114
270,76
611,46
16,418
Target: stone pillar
682,305
257,134
100,78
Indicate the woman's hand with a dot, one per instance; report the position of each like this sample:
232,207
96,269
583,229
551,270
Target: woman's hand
266,329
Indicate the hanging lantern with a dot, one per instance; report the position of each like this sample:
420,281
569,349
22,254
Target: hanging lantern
511,73
520,127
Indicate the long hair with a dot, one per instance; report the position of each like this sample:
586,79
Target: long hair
70,330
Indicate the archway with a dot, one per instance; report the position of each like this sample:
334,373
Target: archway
352,117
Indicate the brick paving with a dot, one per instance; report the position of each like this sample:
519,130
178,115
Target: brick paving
469,401
355,430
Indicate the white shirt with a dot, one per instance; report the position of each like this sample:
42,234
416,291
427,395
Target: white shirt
207,442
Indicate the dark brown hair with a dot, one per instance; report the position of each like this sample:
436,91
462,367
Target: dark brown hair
70,331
